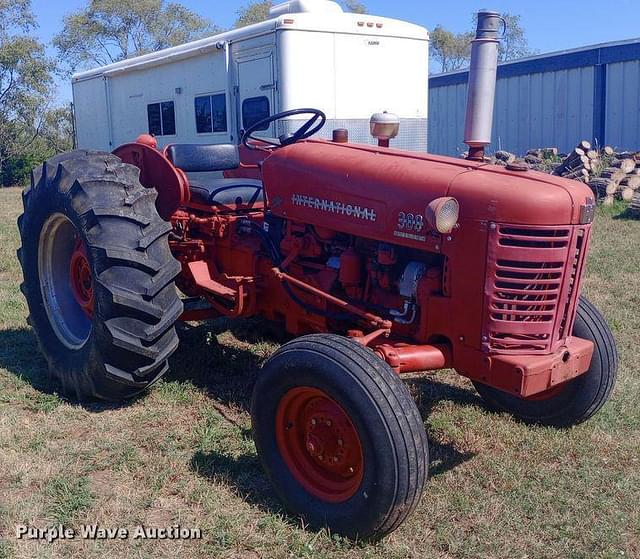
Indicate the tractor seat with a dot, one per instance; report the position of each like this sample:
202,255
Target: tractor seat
205,159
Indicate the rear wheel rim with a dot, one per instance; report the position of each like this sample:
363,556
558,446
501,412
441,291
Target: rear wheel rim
319,444
66,282
81,278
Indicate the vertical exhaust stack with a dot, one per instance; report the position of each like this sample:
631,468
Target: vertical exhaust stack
482,83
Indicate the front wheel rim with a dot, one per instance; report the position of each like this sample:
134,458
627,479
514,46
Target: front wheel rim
66,282
319,444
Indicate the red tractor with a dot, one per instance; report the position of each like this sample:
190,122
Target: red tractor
383,262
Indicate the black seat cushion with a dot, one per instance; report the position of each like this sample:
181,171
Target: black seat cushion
196,158
226,193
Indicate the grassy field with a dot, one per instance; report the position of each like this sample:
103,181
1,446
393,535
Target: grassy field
183,453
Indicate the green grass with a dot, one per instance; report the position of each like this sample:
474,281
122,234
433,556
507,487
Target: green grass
183,453
66,497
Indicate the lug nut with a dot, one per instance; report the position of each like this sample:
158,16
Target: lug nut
340,442
328,423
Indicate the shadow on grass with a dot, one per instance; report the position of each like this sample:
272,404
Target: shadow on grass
442,456
225,371
244,476
627,214
19,354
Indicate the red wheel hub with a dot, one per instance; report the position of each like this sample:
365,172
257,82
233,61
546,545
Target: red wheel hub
319,444
81,278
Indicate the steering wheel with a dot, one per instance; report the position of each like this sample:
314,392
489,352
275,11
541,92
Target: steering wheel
308,129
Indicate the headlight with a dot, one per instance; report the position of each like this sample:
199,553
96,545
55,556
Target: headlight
442,214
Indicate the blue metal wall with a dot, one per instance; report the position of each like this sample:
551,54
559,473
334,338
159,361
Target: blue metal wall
550,100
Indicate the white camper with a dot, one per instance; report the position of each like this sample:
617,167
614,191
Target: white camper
308,54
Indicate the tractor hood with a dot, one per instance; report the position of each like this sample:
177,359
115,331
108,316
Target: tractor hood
362,190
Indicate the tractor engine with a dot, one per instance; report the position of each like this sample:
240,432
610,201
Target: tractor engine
388,279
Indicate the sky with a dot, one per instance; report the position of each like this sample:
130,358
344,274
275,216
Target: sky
549,25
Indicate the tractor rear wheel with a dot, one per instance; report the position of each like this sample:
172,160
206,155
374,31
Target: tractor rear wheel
576,400
339,436
98,276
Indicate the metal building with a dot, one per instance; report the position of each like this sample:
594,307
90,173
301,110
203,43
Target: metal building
555,99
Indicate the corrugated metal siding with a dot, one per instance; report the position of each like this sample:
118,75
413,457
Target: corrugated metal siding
547,109
551,100
623,105
533,110
446,118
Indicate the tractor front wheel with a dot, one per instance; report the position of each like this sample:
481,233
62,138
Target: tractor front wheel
98,276
339,436
576,400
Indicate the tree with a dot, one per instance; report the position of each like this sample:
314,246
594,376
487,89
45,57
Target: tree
514,44
25,84
57,131
107,31
355,6
254,12
258,11
452,50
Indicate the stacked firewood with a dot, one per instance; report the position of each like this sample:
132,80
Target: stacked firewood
610,174
620,180
634,207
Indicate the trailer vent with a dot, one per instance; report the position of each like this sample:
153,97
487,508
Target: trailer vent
531,289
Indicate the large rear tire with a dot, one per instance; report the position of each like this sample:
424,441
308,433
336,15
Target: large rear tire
98,276
339,436
576,400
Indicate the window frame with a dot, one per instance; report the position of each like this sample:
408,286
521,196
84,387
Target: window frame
210,96
244,101
175,119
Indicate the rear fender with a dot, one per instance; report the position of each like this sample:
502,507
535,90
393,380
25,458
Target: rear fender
156,171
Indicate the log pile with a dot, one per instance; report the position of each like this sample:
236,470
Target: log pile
610,174
620,179
634,207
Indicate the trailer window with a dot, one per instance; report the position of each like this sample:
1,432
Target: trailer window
254,110
211,113
162,118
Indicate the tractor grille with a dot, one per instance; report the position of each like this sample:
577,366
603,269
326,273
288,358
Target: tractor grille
532,285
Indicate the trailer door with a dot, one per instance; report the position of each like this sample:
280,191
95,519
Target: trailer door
255,90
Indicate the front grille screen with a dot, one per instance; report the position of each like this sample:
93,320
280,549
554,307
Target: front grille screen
533,276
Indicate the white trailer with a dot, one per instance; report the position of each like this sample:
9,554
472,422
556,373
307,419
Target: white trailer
308,54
